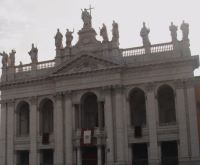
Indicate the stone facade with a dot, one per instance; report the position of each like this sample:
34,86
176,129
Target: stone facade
113,78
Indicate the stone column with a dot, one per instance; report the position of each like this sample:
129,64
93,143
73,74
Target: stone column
58,131
33,131
130,154
99,156
99,115
151,118
109,127
119,123
3,135
79,158
182,122
192,114
10,133
68,129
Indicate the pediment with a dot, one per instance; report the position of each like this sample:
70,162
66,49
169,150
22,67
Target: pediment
84,63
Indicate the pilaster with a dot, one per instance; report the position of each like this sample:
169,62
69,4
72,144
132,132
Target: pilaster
58,130
119,123
10,133
151,114
193,126
109,126
33,131
3,132
182,121
68,129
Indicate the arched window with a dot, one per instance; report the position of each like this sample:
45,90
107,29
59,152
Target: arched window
46,116
89,111
166,105
137,107
23,119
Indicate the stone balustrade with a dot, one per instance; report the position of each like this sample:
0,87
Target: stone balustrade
157,48
39,66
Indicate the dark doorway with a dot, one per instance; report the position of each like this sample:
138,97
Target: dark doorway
169,153
46,157
140,154
23,157
89,156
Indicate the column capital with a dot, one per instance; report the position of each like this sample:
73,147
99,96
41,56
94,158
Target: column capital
150,87
58,95
3,102
33,99
189,83
179,84
67,93
10,102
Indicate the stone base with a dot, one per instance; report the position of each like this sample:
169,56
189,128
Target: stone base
121,163
154,162
191,162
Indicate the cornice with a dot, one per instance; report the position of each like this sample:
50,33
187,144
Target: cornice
52,77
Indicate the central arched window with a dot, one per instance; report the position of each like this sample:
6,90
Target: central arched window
137,107
89,111
46,116
23,119
166,105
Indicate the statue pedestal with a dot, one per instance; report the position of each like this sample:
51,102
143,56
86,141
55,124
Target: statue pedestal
87,36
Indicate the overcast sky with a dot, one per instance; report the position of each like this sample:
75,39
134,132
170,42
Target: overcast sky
23,22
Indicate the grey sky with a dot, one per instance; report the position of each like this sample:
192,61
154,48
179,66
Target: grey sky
25,21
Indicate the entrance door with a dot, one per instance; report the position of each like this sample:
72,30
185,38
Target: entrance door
140,154
169,151
89,156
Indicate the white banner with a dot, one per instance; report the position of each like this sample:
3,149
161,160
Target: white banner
87,137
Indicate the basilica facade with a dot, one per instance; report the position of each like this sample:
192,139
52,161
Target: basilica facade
97,104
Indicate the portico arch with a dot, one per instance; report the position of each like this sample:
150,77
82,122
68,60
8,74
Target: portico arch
46,116
166,104
137,107
89,111
23,118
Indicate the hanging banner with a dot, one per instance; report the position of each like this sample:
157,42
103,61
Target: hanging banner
87,137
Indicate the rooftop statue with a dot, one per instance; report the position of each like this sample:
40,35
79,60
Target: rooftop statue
69,38
144,34
4,59
185,30
20,66
33,54
11,59
115,31
87,18
58,39
173,30
103,33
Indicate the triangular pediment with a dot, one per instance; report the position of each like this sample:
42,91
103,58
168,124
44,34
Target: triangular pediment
84,63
